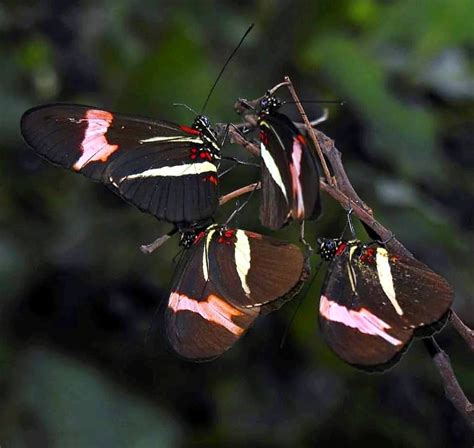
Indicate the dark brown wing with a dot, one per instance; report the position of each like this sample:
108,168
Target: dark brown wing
224,282
367,328
290,176
255,270
200,321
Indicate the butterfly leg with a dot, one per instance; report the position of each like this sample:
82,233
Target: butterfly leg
241,207
308,247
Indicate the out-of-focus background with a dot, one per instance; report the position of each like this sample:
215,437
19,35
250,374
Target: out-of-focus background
81,360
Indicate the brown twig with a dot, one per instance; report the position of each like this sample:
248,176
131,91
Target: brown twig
239,192
309,128
452,389
343,191
235,136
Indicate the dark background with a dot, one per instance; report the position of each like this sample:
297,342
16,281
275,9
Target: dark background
81,363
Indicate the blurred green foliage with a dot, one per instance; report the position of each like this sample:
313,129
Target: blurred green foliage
72,279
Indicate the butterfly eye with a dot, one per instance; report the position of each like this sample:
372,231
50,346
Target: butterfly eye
205,121
264,103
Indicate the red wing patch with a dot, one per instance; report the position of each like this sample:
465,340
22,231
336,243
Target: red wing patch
95,146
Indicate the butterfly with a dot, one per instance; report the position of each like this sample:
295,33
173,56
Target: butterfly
289,169
225,279
374,302
165,169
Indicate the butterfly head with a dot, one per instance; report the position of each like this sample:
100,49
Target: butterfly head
328,248
269,103
203,125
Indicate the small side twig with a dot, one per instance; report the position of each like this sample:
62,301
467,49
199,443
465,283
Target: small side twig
239,139
239,192
149,248
466,333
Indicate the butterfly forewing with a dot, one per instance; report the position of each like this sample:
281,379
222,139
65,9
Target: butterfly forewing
372,303
290,177
161,167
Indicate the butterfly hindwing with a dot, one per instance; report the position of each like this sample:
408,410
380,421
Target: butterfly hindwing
250,267
160,167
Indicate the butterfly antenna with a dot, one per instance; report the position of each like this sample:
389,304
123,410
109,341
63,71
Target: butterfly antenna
339,102
225,65
241,206
186,106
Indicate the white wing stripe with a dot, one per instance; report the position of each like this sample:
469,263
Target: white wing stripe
174,171
273,169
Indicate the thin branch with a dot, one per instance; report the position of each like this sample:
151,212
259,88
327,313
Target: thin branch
239,192
149,248
278,86
466,333
452,389
235,136
309,128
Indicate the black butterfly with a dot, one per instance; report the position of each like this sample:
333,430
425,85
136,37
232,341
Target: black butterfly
373,302
289,169
163,168
224,281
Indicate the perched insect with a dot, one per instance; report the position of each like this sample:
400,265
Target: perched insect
289,169
225,279
373,302
165,169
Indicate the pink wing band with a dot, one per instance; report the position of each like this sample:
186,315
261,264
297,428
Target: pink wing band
295,170
213,309
95,146
362,320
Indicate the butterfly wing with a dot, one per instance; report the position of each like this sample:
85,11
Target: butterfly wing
290,176
155,165
257,270
275,174
368,316
200,321
210,307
